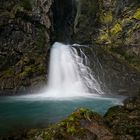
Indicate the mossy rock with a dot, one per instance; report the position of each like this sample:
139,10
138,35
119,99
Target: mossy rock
104,38
106,17
125,120
74,126
70,128
116,29
7,73
41,38
137,14
26,72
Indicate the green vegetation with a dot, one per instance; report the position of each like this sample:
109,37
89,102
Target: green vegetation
7,73
70,126
28,70
106,17
104,38
116,29
137,14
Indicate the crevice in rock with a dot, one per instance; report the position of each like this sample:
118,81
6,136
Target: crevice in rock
64,12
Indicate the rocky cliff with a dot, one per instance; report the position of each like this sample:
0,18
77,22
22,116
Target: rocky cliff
111,28
24,40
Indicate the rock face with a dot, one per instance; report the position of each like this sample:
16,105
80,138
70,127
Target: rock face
120,29
85,23
124,121
24,40
119,123
111,28
115,75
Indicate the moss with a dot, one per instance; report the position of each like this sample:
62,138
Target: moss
106,17
116,29
137,14
136,26
104,38
26,72
7,73
70,126
86,114
41,69
71,130
71,118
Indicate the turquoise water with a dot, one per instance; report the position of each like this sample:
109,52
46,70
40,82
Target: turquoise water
18,113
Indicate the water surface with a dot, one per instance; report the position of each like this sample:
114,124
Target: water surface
21,112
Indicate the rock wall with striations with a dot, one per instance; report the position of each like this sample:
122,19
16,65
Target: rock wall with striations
112,29
24,39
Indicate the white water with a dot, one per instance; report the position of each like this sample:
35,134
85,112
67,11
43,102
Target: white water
68,76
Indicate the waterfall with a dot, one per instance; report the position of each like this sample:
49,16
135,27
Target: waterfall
68,74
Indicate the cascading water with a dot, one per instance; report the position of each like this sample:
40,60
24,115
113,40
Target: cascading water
68,76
